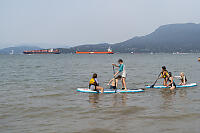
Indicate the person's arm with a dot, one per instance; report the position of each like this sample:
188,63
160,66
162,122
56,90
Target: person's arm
110,82
178,77
167,74
115,65
172,79
116,83
96,82
161,75
120,70
184,82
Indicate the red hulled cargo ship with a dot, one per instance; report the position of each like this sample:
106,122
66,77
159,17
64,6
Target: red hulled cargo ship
43,51
94,52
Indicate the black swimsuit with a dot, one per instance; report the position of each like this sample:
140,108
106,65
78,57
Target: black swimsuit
113,87
173,84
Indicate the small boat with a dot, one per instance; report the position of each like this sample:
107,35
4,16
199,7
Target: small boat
12,52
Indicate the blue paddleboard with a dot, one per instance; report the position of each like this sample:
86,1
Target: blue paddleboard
86,90
177,86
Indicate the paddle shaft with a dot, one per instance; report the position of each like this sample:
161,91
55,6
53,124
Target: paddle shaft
155,81
114,78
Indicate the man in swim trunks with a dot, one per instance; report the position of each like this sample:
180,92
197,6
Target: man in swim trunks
122,71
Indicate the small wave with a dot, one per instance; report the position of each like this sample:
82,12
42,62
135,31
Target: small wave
128,110
97,130
35,109
47,95
175,117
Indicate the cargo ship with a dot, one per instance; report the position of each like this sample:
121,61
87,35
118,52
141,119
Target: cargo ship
94,52
43,51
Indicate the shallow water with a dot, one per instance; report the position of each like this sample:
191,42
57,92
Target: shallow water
38,94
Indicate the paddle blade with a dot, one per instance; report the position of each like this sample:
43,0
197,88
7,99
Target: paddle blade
151,86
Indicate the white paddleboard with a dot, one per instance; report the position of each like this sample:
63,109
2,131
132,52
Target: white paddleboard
86,90
177,86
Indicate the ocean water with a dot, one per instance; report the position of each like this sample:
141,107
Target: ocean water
38,94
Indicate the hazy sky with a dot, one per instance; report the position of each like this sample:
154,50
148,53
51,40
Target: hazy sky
55,23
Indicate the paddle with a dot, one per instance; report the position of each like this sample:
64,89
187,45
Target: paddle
155,81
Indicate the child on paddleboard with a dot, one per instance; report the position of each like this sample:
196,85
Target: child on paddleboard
123,71
114,82
183,79
164,75
94,84
171,82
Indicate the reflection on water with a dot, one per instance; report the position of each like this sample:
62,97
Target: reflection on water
182,93
116,99
94,99
119,99
168,98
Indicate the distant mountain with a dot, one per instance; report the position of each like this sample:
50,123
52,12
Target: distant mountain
167,38
18,50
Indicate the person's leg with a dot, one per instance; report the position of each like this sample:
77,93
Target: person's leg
165,82
100,88
124,83
172,88
182,83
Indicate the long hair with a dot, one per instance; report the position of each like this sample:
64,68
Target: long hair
170,74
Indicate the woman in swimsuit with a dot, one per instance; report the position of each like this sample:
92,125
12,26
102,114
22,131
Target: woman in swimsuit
171,82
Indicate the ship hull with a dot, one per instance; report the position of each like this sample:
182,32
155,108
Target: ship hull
41,52
94,52
44,51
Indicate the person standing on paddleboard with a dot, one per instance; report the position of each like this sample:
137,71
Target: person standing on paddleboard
123,72
164,75
94,84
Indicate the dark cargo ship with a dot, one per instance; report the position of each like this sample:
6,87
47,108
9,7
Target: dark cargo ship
43,51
